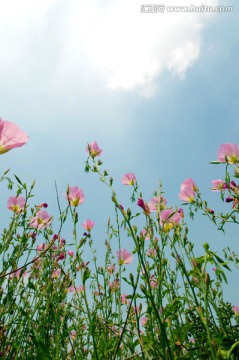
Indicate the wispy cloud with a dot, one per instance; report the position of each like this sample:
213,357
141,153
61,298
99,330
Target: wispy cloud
52,45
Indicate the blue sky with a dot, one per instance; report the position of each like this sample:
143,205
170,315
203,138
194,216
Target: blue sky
158,92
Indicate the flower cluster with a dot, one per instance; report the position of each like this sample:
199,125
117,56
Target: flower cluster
78,305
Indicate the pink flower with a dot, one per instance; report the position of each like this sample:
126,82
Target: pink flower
143,320
187,195
153,284
189,183
17,274
145,234
45,205
232,184
88,225
16,204
80,289
41,247
75,195
93,149
218,185
73,334
169,218
41,220
152,253
157,203
71,288
61,257
129,179
188,190
143,206
124,257
56,274
11,136
230,152
235,308
114,285
124,299
71,253
136,309
111,269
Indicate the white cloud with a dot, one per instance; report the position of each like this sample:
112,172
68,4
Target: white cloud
50,45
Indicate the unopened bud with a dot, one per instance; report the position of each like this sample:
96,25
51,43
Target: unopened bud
194,263
207,279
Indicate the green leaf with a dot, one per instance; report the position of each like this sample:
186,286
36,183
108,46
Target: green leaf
223,263
18,180
86,275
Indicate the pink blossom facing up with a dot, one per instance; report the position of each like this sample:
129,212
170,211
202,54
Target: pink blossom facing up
93,149
143,320
75,195
189,183
71,253
80,289
169,218
56,274
157,203
88,225
71,288
235,308
188,190
41,220
187,195
16,204
228,152
114,285
152,253
218,185
111,269
17,274
153,284
124,300
145,234
11,136
124,257
129,179
41,247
